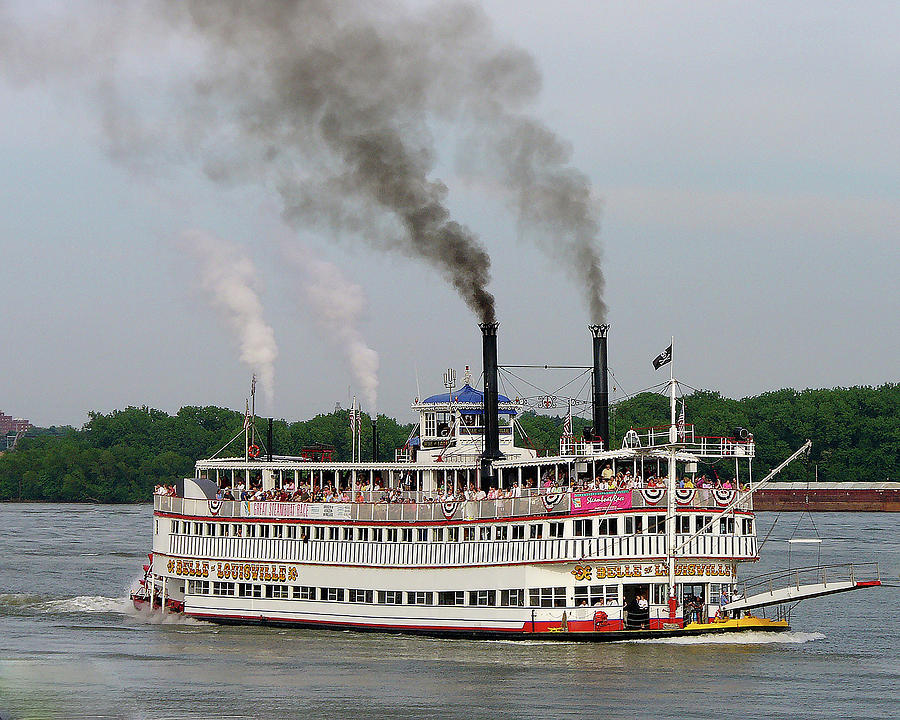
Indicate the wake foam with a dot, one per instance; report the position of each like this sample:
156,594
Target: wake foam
146,616
85,604
750,637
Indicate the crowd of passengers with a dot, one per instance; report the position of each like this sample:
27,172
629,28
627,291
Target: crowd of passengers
550,482
608,480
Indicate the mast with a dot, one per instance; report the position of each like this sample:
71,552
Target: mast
670,491
353,430
253,410
246,431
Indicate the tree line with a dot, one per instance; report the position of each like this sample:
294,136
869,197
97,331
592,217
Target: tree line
120,456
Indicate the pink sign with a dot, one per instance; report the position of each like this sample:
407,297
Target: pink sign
612,500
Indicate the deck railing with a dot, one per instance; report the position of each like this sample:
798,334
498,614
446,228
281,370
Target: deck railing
447,553
535,503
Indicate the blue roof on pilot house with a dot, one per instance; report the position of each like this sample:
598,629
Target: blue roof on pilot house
466,394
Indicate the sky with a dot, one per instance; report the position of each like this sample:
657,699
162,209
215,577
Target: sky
745,157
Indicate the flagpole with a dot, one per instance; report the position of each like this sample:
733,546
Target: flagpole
670,491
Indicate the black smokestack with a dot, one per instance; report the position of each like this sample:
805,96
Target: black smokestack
374,439
491,450
601,384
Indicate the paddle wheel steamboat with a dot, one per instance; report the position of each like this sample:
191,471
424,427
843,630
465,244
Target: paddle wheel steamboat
467,534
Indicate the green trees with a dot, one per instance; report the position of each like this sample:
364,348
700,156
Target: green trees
120,456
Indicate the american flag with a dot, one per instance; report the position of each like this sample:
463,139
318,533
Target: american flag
567,425
681,422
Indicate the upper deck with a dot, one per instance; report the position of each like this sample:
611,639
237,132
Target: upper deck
416,508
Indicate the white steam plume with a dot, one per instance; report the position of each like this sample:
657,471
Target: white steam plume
229,277
338,305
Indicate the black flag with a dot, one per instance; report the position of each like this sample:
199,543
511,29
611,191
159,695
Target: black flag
663,358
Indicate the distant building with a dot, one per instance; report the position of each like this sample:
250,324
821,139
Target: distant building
11,429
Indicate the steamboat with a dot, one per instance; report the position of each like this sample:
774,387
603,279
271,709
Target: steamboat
465,533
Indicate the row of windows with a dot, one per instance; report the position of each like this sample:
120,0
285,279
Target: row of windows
591,595
630,525
538,597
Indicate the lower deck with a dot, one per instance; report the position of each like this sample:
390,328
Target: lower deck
569,625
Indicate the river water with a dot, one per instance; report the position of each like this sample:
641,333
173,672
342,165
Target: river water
70,646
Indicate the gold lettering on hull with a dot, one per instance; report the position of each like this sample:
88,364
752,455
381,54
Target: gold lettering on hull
584,573
262,572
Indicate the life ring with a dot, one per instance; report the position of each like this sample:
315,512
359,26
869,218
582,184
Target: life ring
253,451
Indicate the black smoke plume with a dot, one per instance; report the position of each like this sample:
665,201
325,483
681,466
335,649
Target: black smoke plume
332,103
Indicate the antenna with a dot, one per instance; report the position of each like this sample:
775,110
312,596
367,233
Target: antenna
449,380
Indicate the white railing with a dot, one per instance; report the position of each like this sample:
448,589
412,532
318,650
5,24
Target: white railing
450,554
686,439
421,508
571,446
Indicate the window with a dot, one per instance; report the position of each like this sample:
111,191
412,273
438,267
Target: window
659,594
715,593
701,521
251,530
278,531
453,534
277,592
237,530
746,526
392,534
468,534
656,524
608,526
264,531
518,532
377,535
430,425
501,532
422,535
197,587
303,592
556,529
406,534
437,535
634,525
291,532
420,598
390,597
547,597
347,533
223,530
452,597
484,532
198,528
333,533
483,597
223,588
597,595
361,596
362,534
331,594
512,598
211,529
249,590
726,526
584,528
537,531
319,533
682,523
